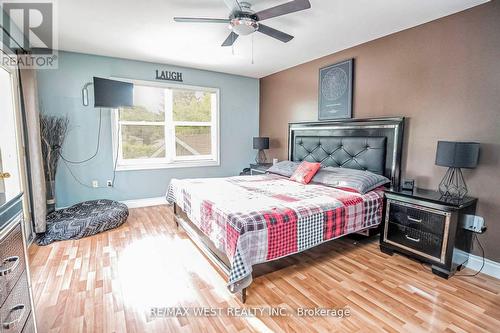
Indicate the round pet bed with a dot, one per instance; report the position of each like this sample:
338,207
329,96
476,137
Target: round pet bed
82,220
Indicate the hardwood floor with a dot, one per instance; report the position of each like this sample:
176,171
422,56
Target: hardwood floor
109,282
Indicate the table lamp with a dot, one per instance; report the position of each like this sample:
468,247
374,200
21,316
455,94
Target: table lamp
456,155
261,143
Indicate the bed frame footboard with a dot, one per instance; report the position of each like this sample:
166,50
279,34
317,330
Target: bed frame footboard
220,260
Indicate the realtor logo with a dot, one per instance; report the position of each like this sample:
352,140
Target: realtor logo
29,27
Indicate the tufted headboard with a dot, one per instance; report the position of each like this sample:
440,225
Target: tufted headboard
358,152
365,144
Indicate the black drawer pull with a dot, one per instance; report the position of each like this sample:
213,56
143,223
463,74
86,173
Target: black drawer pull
414,219
7,325
6,271
412,239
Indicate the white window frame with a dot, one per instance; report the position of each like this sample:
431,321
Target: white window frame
170,160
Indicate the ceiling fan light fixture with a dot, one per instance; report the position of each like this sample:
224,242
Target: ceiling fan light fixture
244,25
245,21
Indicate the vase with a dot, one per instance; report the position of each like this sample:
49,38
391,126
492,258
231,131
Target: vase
50,188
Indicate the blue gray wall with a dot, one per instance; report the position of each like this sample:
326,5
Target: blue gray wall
60,94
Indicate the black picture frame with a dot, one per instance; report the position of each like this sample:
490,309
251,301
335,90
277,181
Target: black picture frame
336,91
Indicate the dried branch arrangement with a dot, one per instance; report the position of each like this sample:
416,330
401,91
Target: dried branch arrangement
53,131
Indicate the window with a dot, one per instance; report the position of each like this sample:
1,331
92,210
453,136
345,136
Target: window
169,126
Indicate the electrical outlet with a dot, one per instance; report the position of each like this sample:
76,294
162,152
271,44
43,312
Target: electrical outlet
109,183
95,184
473,223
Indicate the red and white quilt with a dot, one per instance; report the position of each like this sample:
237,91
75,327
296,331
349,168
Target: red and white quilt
254,219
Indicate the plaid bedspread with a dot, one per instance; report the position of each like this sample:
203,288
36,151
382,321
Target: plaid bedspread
254,219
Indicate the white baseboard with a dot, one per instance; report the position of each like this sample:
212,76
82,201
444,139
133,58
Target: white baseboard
491,268
147,202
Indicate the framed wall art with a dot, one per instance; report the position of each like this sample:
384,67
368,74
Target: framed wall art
335,91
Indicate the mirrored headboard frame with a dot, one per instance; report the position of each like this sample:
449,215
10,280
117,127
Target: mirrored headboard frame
391,128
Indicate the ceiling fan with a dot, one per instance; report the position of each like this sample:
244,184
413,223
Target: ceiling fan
244,21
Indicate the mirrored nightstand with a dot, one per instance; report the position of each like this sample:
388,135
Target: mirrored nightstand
259,169
423,225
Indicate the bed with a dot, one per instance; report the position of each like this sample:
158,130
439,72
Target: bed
242,221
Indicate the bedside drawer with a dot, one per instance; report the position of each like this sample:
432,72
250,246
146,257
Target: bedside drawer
424,225
418,229
415,239
12,263
416,217
17,307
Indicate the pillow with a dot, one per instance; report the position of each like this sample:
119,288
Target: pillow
284,168
305,172
359,181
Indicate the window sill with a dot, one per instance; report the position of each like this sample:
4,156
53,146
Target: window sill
173,165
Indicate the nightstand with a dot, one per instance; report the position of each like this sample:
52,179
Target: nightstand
423,225
259,169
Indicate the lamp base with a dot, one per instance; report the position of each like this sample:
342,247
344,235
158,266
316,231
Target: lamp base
261,157
453,184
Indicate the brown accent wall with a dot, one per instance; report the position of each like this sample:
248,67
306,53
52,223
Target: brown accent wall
444,76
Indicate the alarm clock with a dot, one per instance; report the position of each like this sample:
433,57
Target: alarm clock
408,184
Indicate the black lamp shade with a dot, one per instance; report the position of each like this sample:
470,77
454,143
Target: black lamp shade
457,154
261,143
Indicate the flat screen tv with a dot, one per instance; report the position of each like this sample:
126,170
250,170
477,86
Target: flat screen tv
112,93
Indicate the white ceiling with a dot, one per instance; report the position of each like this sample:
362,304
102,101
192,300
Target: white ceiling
144,30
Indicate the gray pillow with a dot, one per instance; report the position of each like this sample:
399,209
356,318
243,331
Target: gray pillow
284,168
351,179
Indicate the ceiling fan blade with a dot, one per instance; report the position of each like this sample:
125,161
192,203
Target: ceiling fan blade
233,4
286,8
230,39
200,20
274,33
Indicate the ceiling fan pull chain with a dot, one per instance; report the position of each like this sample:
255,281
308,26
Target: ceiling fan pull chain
252,49
232,45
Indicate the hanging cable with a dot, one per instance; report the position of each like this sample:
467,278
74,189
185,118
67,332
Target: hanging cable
117,152
482,254
58,149
75,177
115,160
